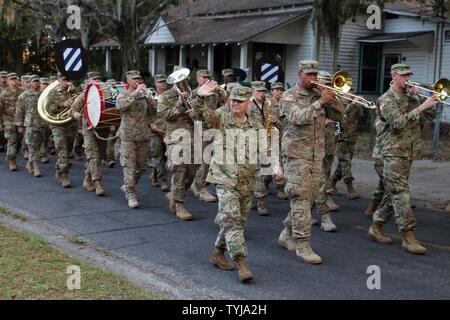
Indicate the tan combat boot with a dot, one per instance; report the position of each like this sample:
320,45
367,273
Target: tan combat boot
261,206
242,266
195,190
165,186
305,253
36,170
411,245
44,160
219,260
12,165
286,240
132,201
206,196
331,187
171,202
327,224
351,193
281,194
333,206
154,181
181,212
376,234
65,182
29,167
370,209
26,154
58,177
99,191
447,208
87,183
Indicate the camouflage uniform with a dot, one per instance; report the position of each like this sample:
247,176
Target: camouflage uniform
63,135
378,163
172,111
27,116
3,74
402,142
8,101
345,149
134,133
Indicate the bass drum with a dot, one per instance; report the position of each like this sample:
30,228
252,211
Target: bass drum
100,106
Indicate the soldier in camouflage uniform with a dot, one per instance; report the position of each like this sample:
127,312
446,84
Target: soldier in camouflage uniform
214,101
345,150
25,84
228,77
179,135
262,110
3,86
157,148
8,100
303,149
29,122
60,99
45,129
134,133
92,145
234,181
401,113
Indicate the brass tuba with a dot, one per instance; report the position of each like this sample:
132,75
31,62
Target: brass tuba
59,119
179,80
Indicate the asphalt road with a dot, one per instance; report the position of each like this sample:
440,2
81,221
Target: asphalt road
152,237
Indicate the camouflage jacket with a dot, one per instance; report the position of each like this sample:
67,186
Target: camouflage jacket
55,101
137,112
225,169
78,106
379,139
353,110
26,110
304,131
8,102
2,88
402,124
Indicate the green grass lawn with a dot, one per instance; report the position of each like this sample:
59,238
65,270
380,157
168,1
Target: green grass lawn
30,268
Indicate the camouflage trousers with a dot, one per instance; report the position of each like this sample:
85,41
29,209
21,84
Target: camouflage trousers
109,152
63,136
133,155
46,140
92,149
396,198
377,196
325,172
157,150
303,177
12,137
233,211
33,138
263,182
344,154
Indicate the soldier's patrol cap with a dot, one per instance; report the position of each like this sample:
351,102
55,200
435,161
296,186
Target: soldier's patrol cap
134,74
176,68
232,85
45,80
203,73
3,74
308,66
240,93
277,85
61,76
53,78
259,86
25,78
160,77
111,81
93,74
12,76
34,78
227,72
401,69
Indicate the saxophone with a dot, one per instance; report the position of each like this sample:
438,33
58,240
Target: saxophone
267,112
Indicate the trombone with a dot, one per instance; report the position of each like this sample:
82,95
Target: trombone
341,83
441,89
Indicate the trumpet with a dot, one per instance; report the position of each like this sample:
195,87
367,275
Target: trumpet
341,83
441,89
150,93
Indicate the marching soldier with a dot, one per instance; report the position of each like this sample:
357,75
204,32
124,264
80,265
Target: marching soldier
158,174
3,86
214,101
401,113
91,145
29,122
8,101
228,77
25,82
262,110
234,182
45,129
134,132
345,150
303,150
59,99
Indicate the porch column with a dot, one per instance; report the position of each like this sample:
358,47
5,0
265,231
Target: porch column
152,60
182,56
244,54
108,58
210,63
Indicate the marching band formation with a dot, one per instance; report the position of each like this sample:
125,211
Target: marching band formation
314,121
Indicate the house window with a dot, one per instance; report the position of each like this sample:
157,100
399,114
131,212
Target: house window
390,16
447,35
370,68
